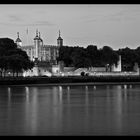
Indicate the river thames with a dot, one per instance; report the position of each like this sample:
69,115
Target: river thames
70,110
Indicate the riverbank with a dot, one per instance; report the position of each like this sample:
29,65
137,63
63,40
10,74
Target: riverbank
70,80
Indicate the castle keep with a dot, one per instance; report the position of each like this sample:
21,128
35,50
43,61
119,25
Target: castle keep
44,55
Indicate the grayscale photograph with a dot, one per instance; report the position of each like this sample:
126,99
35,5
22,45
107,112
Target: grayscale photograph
69,69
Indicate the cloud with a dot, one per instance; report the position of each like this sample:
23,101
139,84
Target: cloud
43,23
121,16
117,14
37,23
15,18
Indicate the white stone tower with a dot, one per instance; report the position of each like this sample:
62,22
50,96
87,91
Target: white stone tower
38,43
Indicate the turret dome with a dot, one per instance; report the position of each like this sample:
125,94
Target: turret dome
18,39
36,37
59,38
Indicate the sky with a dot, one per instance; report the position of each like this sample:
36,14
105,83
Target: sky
114,25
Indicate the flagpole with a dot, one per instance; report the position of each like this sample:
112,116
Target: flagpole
27,36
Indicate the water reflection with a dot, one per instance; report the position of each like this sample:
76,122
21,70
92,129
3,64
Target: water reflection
118,108
68,94
31,111
94,87
125,93
86,95
125,86
54,110
60,93
9,94
130,86
27,93
55,95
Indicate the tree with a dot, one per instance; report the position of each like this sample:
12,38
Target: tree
79,58
137,55
3,64
18,63
87,57
108,56
6,44
13,58
93,55
129,57
65,55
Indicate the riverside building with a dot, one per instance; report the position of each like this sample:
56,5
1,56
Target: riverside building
44,56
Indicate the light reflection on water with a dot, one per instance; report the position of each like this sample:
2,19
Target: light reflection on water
70,110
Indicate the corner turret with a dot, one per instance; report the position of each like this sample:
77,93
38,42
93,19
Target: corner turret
59,41
18,40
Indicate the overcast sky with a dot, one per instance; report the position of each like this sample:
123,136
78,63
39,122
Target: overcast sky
115,25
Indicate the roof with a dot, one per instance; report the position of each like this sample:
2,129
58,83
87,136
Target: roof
40,39
18,40
36,38
59,38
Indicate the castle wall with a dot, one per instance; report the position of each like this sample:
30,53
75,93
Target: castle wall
37,71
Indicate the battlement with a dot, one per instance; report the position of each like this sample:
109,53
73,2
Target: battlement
27,46
50,46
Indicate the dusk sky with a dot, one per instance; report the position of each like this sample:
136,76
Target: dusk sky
117,25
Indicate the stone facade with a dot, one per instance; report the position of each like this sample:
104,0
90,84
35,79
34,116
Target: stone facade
40,51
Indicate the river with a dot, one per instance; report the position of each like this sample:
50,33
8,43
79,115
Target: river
70,110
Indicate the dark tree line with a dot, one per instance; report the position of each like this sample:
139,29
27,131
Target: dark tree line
94,57
87,57
13,58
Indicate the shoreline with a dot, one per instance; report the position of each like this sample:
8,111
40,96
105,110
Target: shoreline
66,81
74,84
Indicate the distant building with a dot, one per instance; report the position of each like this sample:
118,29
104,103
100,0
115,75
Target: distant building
45,55
40,51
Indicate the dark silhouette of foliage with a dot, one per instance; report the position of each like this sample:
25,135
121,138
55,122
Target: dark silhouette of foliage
13,58
87,57
129,57
65,55
94,57
108,56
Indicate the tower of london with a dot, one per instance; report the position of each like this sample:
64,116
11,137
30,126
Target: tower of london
45,55
39,51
